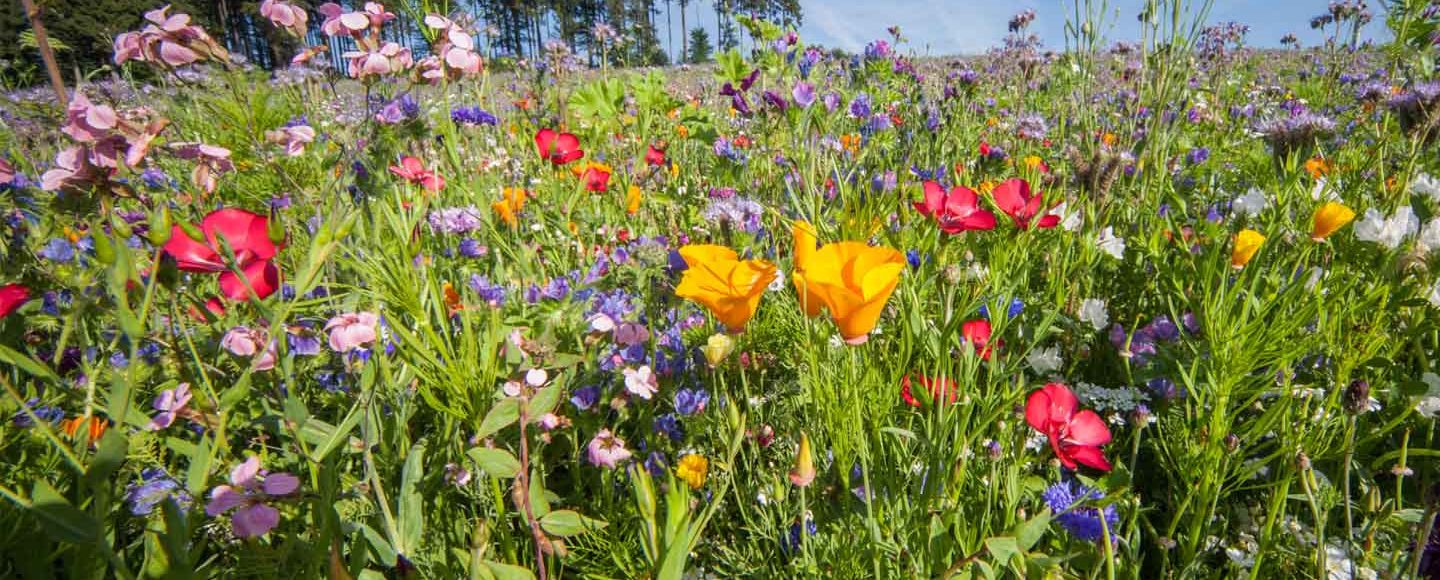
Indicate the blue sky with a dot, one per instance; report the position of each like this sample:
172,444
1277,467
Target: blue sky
971,26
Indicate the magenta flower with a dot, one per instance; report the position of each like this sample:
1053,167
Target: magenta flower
285,16
170,403
168,40
352,330
210,162
249,489
606,450
244,342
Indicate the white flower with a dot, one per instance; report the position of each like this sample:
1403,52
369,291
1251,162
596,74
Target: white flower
1045,360
1250,204
1424,184
1111,244
1092,310
1316,274
602,323
641,382
1388,232
1430,236
1322,191
1069,220
1429,405
778,283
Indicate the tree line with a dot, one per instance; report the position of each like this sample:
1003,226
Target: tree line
648,32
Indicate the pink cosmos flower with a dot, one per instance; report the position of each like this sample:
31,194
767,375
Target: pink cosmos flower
606,450
352,330
285,16
641,382
249,490
170,403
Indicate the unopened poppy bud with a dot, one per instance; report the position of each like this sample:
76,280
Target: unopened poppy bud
1357,397
717,349
275,229
194,232
952,274
804,472
159,227
122,228
104,249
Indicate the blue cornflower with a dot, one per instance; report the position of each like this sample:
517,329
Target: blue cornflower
691,401
155,486
669,426
585,397
58,250
1065,499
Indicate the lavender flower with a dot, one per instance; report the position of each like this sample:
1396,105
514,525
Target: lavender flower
456,220
155,486
735,211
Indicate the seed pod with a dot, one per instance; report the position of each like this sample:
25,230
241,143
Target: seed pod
159,227
1357,397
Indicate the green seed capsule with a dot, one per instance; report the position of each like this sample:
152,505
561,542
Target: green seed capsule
159,227
104,250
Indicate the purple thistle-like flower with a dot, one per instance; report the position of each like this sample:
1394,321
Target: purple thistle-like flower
455,220
1065,499
736,211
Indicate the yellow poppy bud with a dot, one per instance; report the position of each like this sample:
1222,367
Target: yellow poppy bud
717,349
804,472
1246,244
1329,218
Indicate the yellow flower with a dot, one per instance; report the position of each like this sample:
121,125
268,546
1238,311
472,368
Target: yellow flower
853,281
717,279
987,186
513,201
692,469
1247,243
1033,161
717,349
804,471
805,240
632,200
1329,218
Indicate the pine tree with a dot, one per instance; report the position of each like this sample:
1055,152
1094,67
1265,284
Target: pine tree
699,46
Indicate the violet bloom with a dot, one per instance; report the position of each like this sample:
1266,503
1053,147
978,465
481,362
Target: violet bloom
249,489
691,402
242,341
803,94
156,486
352,330
170,403
1085,523
606,450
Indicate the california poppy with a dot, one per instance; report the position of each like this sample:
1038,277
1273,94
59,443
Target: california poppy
596,177
728,287
413,170
248,235
633,198
957,211
1075,437
558,148
805,243
1246,244
852,280
12,297
510,205
92,428
934,386
1014,197
1329,218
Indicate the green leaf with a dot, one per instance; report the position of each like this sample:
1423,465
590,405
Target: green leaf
566,523
198,475
384,552
110,454
412,505
502,415
26,363
1003,549
539,504
1029,532
495,462
339,435
59,519
544,401
504,571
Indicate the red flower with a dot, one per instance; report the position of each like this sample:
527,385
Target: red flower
12,297
1075,437
249,237
933,385
977,332
655,156
956,211
984,149
558,148
1015,199
413,170
596,177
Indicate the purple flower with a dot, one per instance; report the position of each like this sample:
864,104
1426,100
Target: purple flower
803,93
736,211
1065,499
471,248
170,403
472,117
669,426
249,490
155,486
606,450
455,220
492,294
691,401
860,106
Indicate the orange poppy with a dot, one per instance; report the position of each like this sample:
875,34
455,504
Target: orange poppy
727,286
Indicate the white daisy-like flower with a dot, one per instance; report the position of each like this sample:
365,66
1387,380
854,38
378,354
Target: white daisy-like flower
1093,312
1045,360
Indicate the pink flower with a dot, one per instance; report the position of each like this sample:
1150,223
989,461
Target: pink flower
956,211
641,382
293,139
168,40
170,403
606,450
249,489
1017,201
352,330
87,122
210,161
73,170
285,16
1076,437
242,341
455,49
7,172
388,59
413,170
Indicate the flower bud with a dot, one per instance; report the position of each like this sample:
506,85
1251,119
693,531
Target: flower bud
804,472
159,227
1357,397
717,349
1232,442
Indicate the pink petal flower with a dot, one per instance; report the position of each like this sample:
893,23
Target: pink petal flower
255,520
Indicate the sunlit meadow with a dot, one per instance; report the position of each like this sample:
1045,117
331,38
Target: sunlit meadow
1160,307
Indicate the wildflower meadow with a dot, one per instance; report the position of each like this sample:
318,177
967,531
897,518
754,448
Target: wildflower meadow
406,304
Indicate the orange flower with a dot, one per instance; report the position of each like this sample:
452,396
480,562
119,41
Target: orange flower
1247,243
513,201
1317,167
452,299
92,427
719,280
632,200
1107,138
852,280
1329,218
805,240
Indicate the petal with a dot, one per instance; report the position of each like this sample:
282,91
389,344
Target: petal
280,484
1062,403
243,475
934,199
263,277
1087,428
255,520
1011,196
222,499
1088,456
247,233
544,138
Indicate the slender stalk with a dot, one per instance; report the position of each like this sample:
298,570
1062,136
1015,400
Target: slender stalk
42,42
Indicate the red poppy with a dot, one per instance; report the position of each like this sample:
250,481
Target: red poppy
12,297
956,211
933,385
655,156
1076,437
984,149
413,170
558,148
596,177
977,332
249,237
1015,199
